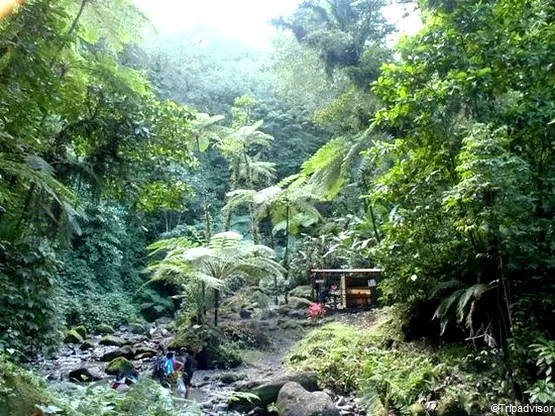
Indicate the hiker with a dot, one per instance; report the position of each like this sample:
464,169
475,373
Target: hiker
158,373
188,365
167,369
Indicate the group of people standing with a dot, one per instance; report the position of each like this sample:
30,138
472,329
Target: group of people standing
170,369
175,369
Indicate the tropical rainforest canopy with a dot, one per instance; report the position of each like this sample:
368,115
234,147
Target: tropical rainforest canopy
145,175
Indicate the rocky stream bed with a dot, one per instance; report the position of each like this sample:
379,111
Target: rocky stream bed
89,362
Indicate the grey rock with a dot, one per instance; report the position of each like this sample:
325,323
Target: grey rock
221,407
125,352
113,340
83,375
294,400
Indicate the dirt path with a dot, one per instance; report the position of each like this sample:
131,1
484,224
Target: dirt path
212,388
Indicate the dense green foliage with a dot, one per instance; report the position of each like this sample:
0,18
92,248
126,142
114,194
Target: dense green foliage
74,126
433,160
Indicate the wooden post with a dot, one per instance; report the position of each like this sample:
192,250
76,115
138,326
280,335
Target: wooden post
343,291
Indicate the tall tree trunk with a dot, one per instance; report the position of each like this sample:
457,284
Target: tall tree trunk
203,291
71,29
216,305
286,254
276,289
232,187
207,217
272,240
254,225
372,215
378,239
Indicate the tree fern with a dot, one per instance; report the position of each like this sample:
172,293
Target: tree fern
226,255
457,305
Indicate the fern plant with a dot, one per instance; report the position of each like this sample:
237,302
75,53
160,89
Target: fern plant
543,391
197,268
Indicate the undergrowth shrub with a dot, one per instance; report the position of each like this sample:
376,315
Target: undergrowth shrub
146,398
397,378
93,309
28,299
334,353
20,390
391,374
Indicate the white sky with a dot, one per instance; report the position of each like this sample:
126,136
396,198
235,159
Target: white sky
243,20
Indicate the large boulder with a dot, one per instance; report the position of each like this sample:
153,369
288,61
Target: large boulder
304,292
81,330
139,329
152,311
113,340
267,390
145,351
87,345
120,365
125,352
83,375
298,303
104,329
73,337
294,400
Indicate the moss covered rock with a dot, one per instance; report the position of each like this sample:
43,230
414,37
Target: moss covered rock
138,328
125,351
119,365
417,409
449,406
87,345
113,340
268,390
81,330
73,337
205,342
104,329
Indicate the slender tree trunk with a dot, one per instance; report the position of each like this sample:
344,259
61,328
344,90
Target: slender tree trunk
286,254
272,241
378,239
227,220
232,187
254,225
76,20
207,217
372,215
203,290
276,289
216,305
71,29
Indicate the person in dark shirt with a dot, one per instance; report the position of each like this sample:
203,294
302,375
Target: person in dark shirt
186,358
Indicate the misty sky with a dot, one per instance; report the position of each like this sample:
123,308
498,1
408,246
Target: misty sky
243,20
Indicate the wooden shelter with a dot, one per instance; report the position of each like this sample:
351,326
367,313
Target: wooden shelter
345,288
